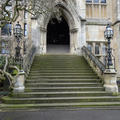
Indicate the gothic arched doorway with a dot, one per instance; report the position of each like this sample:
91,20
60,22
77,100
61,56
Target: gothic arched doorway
58,39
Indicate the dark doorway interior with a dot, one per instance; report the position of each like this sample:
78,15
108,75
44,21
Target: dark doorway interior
58,34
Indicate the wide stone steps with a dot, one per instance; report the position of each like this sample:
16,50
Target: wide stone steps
61,81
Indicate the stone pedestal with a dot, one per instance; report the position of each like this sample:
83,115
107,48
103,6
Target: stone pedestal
19,82
110,81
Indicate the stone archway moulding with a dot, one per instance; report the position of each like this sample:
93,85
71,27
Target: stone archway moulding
74,23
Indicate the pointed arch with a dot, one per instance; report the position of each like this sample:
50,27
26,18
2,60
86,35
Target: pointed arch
68,15
76,29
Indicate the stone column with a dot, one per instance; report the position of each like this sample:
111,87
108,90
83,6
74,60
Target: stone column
110,81
73,41
101,52
83,32
93,47
34,33
118,9
81,7
43,40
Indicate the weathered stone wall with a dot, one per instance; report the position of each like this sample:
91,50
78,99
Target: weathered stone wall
116,38
116,46
95,33
118,9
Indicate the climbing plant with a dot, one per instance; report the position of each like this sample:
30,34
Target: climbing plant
2,64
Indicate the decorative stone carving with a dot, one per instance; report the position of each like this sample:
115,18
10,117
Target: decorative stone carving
72,17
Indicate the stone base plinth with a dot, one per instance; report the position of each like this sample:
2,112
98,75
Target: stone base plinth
110,81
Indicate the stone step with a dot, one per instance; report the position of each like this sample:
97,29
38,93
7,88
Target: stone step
60,94
62,68
103,105
50,100
58,64
59,89
63,80
61,74
64,85
63,77
60,71
59,57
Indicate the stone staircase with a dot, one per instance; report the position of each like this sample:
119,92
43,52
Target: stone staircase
61,81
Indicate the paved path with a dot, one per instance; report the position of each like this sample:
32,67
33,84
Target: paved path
62,115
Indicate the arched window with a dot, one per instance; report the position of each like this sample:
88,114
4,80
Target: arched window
96,1
6,29
89,46
97,49
25,29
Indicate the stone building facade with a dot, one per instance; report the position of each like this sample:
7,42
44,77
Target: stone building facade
83,21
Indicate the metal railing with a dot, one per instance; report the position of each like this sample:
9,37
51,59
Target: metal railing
93,58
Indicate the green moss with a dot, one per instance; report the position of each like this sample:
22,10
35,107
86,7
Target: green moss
115,94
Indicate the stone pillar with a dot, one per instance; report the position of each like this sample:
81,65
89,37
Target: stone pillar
83,33
35,33
43,41
110,81
118,9
101,52
81,8
93,48
73,41
19,82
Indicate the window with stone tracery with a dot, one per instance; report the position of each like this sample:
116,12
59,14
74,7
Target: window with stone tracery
96,1
96,9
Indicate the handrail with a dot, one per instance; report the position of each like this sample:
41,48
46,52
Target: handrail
95,60
28,59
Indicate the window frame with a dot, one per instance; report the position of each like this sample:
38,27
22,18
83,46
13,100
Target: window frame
89,46
93,2
6,30
25,30
97,50
88,1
